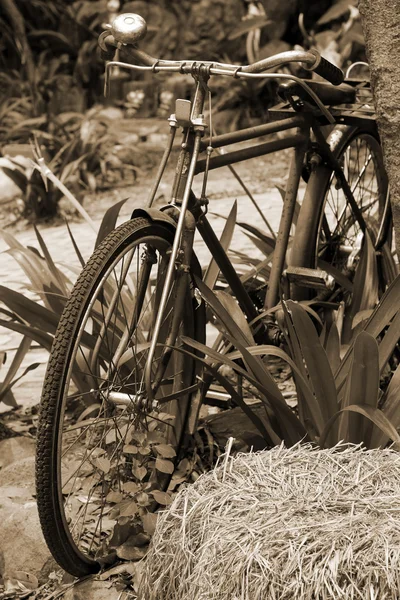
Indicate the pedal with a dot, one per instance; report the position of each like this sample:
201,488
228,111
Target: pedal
216,396
311,278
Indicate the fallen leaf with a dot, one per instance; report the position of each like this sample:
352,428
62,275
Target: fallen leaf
129,449
139,436
114,497
103,464
131,487
139,472
26,580
128,508
165,450
149,521
161,497
143,499
164,466
128,552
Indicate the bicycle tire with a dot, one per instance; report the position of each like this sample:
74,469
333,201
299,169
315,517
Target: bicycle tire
317,220
87,466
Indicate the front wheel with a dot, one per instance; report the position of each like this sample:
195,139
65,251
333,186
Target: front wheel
104,452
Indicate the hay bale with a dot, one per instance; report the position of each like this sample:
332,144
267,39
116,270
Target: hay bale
283,524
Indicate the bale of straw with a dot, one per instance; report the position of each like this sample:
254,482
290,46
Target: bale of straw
282,524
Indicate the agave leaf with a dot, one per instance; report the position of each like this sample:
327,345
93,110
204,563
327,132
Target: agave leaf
292,429
72,167
362,388
222,314
244,259
51,295
312,403
43,339
109,220
5,390
291,426
332,347
58,276
248,25
266,430
78,252
295,350
316,360
381,317
17,177
310,311
337,274
365,287
263,237
232,308
31,312
375,415
212,272
389,342
59,38
391,410
336,11
361,317
261,245
34,267
23,348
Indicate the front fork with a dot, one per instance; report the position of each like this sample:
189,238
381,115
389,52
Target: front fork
191,118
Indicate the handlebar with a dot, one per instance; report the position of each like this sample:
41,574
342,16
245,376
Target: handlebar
127,29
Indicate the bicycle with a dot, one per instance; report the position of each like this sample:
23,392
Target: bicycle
121,398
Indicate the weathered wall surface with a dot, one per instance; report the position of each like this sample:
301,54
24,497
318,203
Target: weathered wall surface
382,35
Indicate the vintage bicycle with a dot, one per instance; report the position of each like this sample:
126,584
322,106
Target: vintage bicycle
121,397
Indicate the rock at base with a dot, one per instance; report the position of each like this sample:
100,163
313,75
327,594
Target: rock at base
15,448
22,544
92,590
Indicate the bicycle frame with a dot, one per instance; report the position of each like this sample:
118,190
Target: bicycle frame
188,211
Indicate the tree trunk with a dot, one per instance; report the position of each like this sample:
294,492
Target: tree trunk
381,26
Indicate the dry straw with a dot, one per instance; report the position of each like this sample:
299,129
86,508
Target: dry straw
283,524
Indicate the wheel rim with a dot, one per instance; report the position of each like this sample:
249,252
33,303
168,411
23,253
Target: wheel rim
340,234
114,452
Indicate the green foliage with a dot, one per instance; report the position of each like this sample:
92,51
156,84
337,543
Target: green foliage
37,320
338,398
77,148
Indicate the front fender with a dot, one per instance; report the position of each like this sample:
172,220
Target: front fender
154,214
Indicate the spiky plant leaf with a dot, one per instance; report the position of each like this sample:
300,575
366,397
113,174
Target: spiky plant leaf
362,388
109,221
211,276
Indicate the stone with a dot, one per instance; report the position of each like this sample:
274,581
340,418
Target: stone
19,473
92,589
14,449
22,545
110,113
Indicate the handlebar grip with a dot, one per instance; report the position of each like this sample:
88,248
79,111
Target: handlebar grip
326,69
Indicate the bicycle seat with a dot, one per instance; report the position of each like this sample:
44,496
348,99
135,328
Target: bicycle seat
329,95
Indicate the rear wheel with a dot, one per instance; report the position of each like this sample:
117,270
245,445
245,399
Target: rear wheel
330,237
104,451
328,234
